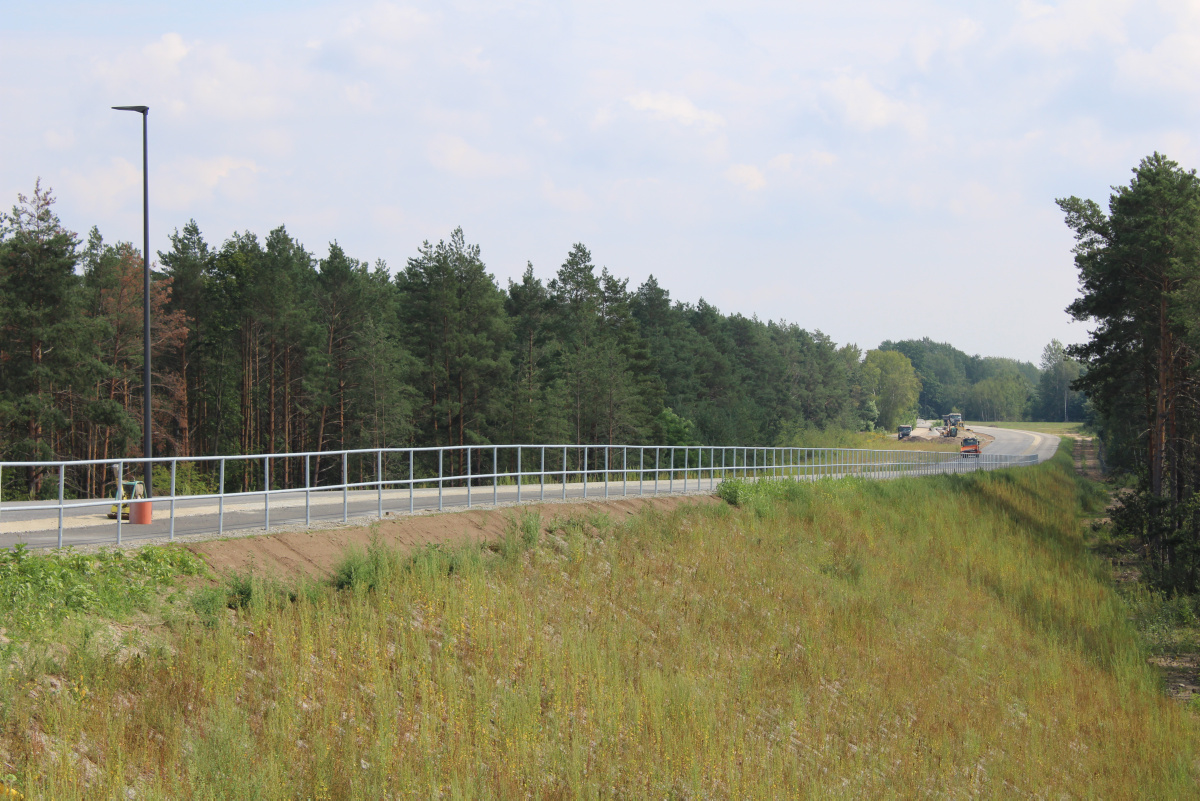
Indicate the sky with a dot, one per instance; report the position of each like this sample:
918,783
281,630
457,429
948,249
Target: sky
872,170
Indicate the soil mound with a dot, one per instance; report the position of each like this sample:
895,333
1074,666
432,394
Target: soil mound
314,554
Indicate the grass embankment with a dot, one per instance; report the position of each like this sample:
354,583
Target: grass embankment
946,635
1058,429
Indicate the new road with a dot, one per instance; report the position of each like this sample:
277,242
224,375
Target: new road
90,525
1019,443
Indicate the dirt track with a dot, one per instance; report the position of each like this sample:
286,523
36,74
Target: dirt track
314,554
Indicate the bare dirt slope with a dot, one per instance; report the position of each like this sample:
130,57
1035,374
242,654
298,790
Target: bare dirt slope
314,554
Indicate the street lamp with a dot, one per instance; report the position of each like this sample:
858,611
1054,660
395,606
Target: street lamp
147,443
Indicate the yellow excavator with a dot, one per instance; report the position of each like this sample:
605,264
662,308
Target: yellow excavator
950,424
130,490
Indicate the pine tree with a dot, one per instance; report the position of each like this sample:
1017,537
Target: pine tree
47,345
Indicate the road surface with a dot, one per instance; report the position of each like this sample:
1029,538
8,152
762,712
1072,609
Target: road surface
1019,443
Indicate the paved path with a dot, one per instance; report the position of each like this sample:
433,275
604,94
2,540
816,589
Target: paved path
1019,443
90,525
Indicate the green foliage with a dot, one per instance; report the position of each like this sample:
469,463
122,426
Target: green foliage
38,591
893,386
674,430
369,569
521,532
763,495
1056,399
189,480
1139,267
982,388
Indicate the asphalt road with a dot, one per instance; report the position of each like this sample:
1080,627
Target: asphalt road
1019,443
90,525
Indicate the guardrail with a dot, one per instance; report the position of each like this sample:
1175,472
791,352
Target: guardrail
458,474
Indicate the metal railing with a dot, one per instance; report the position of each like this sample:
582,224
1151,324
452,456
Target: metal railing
412,479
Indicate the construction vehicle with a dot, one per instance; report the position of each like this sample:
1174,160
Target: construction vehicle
970,447
130,490
905,432
951,423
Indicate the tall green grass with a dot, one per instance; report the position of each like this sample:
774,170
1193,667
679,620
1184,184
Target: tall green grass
944,636
40,590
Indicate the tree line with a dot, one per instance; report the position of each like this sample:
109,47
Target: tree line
987,388
260,346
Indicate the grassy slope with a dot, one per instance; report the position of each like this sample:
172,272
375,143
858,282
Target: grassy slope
1058,429
945,634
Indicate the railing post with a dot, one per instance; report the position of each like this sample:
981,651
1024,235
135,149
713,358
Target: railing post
542,475
468,476
345,487
266,493
495,473
307,492
657,466
624,471
120,477
412,482
585,465
61,480
564,474
379,477
606,472
174,464
518,474
441,478
221,499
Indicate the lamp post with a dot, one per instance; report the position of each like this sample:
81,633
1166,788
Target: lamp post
147,442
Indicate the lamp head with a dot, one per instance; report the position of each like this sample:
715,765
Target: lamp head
138,109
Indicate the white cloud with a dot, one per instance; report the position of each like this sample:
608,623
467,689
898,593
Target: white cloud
389,216
59,140
676,108
1072,24
573,200
167,53
452,154
1172,63
360,94
101,189
866,108
387,21
189,181
746,176
950,39
206,78
790,162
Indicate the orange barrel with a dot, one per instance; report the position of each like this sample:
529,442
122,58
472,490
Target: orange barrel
139,511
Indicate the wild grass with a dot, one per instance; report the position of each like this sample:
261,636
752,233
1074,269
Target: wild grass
1059,429
40,590
947,636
